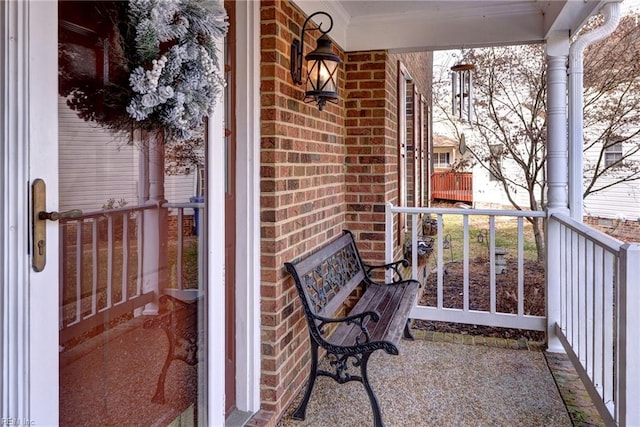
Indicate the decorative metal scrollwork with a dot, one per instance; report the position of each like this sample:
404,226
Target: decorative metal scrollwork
327,278
340,364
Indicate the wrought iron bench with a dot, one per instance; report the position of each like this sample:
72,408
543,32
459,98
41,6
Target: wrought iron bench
325,280
178,317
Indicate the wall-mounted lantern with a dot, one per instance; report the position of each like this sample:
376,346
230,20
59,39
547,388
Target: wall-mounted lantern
462,90
322,65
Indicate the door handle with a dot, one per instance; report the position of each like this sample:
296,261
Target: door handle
54,216
39,217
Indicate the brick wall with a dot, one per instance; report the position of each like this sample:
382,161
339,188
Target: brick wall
420,66
372,139
371,147
320,172
302,198
625,230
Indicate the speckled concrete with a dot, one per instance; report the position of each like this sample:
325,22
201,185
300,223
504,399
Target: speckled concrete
444,384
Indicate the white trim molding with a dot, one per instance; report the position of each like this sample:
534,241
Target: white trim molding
248,206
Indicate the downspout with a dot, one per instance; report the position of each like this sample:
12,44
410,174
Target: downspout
611,12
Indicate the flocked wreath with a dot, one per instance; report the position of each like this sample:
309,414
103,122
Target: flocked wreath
164,72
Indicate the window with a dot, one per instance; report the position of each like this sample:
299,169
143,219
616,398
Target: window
613,154
441,160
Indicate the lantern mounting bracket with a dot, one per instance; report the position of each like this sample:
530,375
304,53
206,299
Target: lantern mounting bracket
297,45
322,64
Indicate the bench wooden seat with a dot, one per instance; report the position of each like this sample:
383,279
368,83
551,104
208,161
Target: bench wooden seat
324,280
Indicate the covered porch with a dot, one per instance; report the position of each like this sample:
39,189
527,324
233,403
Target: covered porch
458,380
585,271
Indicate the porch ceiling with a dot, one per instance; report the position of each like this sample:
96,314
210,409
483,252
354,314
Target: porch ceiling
402,25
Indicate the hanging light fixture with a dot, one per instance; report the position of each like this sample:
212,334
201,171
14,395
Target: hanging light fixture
322,65
462,90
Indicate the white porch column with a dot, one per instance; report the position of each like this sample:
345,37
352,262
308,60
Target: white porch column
557,173
155,225
557,156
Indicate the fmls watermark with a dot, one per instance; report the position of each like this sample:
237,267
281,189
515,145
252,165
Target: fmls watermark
16,422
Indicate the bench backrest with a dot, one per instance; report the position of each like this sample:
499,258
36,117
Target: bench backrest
327,277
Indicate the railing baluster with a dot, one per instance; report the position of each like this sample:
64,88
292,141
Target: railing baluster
520,266
180,248
440,267
388,240
582,345
109,261
141,249
62,273
573,280
588,309
79,271
609,267
414,246
492,263
94,267
125,256
465,258
598,320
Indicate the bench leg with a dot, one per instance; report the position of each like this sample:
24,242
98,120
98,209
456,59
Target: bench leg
407,331
375,406
301,411
158,397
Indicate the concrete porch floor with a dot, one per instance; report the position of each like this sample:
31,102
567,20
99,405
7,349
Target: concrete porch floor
437,380
456,380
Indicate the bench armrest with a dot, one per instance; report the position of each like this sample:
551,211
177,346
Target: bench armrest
395,266
359,319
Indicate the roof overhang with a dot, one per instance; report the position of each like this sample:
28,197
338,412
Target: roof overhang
400,25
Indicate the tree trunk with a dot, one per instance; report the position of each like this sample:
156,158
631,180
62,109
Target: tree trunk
539,238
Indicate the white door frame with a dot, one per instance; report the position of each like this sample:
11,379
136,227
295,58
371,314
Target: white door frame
28,47
29,346
248,206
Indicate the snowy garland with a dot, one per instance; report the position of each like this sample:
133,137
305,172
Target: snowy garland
182,84
168,51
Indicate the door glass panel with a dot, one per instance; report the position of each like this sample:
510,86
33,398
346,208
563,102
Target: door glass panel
132,290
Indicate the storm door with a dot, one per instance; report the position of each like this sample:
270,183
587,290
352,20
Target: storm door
132,249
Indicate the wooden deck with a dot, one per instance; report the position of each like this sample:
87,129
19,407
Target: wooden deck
452,186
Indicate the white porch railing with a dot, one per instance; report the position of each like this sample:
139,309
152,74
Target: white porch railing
102,265
492,317
599,322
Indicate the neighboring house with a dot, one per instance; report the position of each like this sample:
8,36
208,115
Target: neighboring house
622,200
283,178
450,182
488,191
445,153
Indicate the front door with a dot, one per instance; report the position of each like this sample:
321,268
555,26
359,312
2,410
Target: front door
122,283
133,293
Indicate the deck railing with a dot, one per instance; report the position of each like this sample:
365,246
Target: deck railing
101,272
599,322
466,314
453,186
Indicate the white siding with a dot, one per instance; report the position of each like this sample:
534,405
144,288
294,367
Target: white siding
95,166
622,201
179,188
490,194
